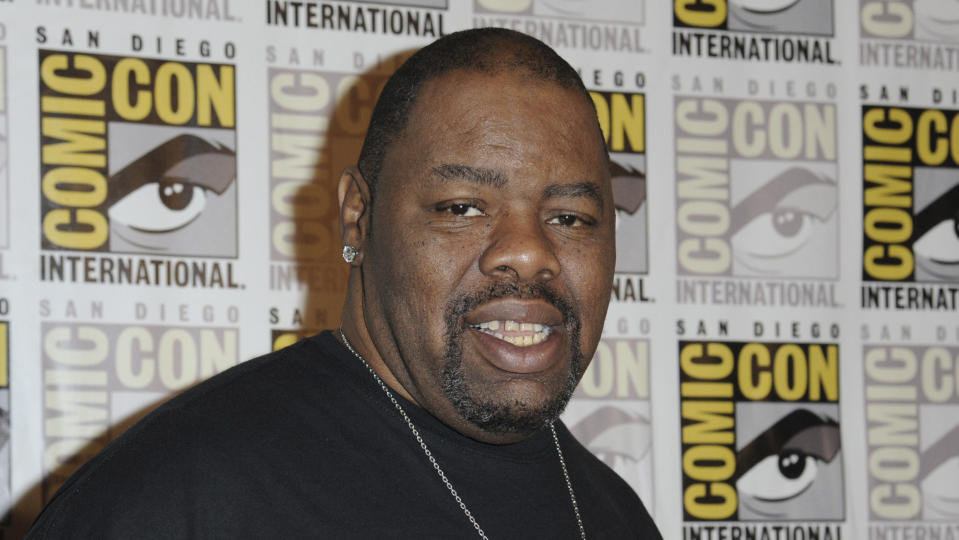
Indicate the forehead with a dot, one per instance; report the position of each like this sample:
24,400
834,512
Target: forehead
513,119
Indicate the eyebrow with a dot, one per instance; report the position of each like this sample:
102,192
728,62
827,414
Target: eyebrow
936,212
197,161
571,191
768,196
476,175
821,439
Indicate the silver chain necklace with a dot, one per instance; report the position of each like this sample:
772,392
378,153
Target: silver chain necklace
436,465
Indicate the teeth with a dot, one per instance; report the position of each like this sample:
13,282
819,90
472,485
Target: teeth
539,332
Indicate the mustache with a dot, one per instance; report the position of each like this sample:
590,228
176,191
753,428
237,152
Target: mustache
465,303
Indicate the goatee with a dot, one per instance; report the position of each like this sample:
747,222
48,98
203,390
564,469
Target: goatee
515,416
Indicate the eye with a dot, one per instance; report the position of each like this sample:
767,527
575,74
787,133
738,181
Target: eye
765,6
461,209
570,220
940,244
779,477
162,206
940,490
795,211
622,444
775,233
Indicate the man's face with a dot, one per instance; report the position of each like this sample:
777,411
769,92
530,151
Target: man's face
488,270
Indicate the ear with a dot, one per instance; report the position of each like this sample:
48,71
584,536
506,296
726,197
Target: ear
353,194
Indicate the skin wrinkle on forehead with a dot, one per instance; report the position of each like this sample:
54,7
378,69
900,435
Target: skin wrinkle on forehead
498,133
489,177
590,190
476,175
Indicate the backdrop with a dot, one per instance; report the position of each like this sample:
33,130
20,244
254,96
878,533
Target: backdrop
781,355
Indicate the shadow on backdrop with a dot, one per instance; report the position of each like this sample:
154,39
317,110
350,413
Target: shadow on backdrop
317,121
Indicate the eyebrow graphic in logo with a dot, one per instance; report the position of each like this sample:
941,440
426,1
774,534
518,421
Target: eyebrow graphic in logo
629,188
938,471
629,198
787,227
936,233
937,20
172,199
800,16
791,470
617,437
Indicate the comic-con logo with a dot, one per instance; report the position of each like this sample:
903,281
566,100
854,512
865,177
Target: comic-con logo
910,194
622,117
756,188
723,28
760,431
912,430
921,20
99,378
137,155
610,411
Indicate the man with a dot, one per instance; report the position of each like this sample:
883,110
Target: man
479,228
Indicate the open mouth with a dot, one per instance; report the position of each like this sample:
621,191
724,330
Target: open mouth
520,334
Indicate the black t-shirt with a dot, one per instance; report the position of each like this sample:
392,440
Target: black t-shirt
302,443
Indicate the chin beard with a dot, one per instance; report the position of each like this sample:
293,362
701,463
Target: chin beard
489,414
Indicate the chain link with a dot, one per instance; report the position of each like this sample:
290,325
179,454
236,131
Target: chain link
569,485
436,465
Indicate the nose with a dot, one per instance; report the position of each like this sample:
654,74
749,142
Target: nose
520,249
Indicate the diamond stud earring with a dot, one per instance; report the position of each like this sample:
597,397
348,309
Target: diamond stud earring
349,253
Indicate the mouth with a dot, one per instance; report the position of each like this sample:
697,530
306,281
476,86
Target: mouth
518,334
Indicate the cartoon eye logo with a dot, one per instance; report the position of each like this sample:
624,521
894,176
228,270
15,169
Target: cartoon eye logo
939,18
781,217
783,462
779,477
160,206
167,188
941,243
936,229
939,469
940,490
617,437
776,233
764,6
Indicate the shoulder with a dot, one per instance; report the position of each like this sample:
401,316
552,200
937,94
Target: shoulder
178,460
604,493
